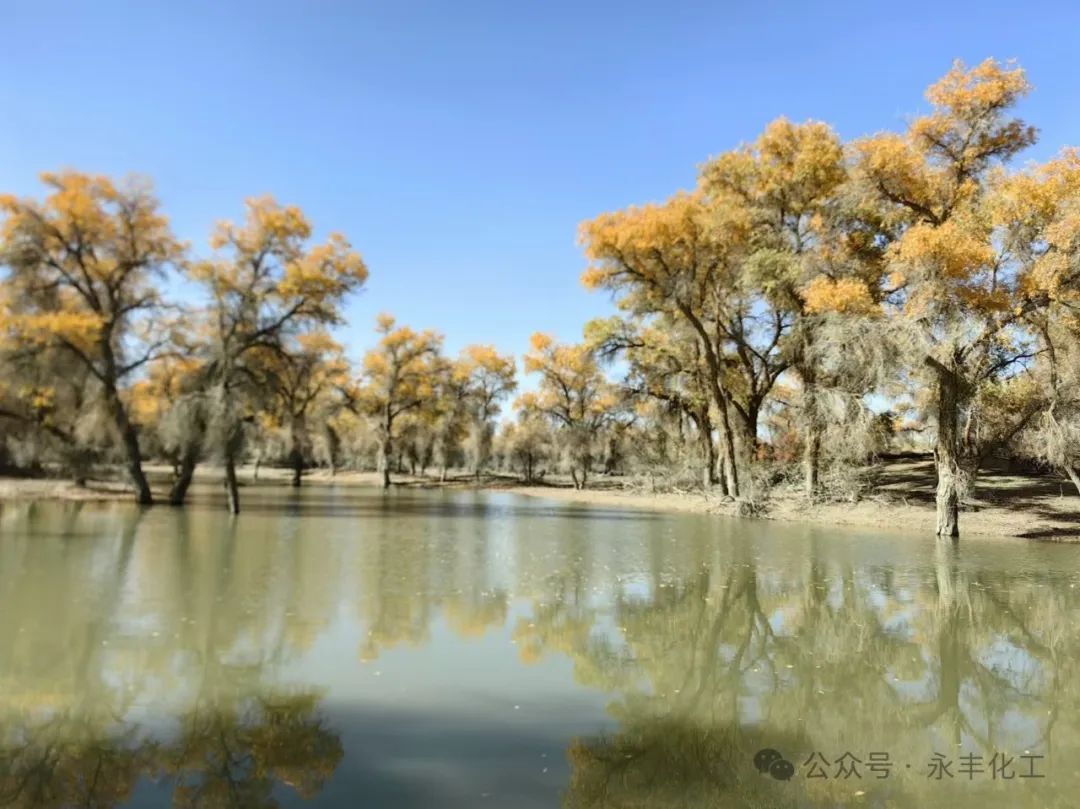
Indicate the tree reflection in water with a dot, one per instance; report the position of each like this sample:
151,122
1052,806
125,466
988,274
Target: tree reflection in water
79,667
162,664
718,658
228,756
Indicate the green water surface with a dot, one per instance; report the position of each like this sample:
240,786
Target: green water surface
345,647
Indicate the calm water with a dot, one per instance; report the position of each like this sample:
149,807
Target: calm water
346,648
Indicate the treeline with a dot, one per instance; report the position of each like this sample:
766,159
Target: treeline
804,275
759,316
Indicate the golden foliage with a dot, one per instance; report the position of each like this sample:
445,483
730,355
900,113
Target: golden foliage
969,93
81,264
790,166
400,372
652,253
844,295
268,279
572,388
949,250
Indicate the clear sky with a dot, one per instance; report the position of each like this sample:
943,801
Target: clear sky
459,144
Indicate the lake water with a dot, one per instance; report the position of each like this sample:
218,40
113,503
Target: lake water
346,647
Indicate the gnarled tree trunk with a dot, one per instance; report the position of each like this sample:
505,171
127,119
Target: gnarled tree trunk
948,457
130,440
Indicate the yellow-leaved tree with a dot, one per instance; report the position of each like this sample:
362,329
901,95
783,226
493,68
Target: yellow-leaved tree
397,377
267,286
677,259
955,282
574,395
1039,210
82,267
303,378
665,363
790,186
490,380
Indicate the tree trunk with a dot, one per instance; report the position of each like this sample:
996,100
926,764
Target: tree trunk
384,463
947,455
721,475
811,418
704,428
185,472
719,395
727,458
385,448
333,448
296,453
232,488
743,452
806,370
948,499
811,459
130,439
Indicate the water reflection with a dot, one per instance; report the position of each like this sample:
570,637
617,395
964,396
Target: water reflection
444,649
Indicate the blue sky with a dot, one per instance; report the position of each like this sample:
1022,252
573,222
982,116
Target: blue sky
458,145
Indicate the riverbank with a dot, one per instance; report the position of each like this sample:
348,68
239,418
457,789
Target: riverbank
902,497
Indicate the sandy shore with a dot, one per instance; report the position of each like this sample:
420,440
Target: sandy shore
1010,505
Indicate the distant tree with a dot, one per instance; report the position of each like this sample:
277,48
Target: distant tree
304,378
525,443
451,412
665,363
397,376
573,394
490,380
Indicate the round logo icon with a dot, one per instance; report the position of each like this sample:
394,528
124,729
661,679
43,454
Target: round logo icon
773,762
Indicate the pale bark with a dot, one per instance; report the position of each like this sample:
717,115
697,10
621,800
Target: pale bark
947,455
